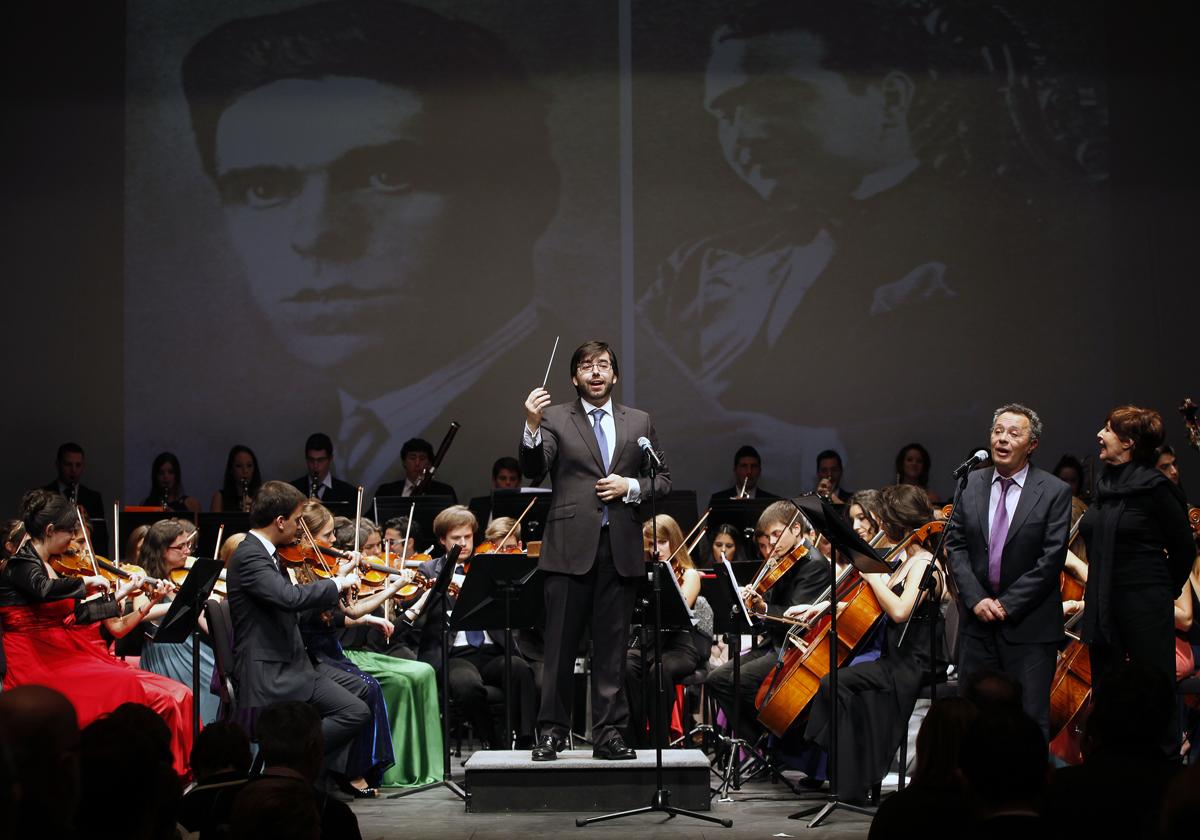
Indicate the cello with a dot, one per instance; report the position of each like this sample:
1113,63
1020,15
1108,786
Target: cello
793,683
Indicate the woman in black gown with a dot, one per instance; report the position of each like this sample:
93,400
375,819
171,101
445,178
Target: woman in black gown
1140,551
876,698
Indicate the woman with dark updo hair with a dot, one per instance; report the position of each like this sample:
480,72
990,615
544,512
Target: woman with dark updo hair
50,634
1140,551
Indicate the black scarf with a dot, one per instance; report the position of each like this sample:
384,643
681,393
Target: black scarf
1117,484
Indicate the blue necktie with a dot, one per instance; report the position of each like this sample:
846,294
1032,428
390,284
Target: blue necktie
475,638
597,416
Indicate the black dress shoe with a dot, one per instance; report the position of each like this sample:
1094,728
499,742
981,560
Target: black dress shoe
547,748
614,749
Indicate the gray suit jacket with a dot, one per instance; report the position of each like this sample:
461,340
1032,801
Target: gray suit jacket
270,662
1034,553
570,455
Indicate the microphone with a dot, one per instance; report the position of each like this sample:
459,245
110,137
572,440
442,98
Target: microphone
644,443
980,457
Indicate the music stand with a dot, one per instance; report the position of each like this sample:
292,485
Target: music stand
511,501
731,619
183,619
427,507
492,595
209,524
438,590
827,522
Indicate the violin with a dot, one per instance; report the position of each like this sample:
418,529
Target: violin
72,563
1194,520
178,576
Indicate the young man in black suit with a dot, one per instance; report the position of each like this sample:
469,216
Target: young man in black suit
1007,544
270,662
70,462
319,482
592,554
417,456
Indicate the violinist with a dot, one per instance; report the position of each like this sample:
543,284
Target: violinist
166,547
360,769
680,654
50,637
270,661
476,657
796,592
876,698
241,482
166,486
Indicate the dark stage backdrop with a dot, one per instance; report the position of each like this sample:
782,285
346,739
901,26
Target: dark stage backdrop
802,225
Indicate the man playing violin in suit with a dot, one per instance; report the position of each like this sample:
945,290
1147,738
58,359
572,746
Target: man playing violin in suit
270,662
794,595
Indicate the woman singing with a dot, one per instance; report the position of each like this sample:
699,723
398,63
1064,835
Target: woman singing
1140,550
876,698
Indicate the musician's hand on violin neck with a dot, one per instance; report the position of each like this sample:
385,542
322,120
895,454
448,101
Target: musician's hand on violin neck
535,404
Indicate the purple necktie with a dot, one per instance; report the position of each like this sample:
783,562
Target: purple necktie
999,534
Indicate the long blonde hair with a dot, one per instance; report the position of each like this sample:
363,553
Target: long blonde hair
669,529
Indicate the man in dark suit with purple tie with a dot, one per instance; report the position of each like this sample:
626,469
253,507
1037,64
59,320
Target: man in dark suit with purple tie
1007,545
592,554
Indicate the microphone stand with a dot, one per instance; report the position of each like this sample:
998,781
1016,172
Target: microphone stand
660,801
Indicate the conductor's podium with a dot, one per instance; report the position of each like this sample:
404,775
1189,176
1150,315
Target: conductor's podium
510,781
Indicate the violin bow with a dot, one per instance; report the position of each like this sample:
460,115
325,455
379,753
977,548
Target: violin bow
517,524
316,548
690,534
87,541
220,537
550,364
117,533
357,517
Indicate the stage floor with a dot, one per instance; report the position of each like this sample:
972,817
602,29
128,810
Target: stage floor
760,810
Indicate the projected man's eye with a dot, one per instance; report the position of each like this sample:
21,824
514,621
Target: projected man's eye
389,182
259,188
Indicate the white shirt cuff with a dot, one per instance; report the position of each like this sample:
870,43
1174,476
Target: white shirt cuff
634,494
532,439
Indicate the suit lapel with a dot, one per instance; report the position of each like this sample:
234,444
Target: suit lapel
982,498
584,426
621,423
1030,493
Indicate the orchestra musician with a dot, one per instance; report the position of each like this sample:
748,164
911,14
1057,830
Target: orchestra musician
270,661
829,476
1140,552
747,470
319,482
794,595
50,628
476,657
416,456
592,551
876,697
241,482
680,654
166,486
69,463
1007,545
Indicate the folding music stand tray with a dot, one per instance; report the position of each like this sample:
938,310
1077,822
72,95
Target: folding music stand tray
438,590
500,590
183,618
827,522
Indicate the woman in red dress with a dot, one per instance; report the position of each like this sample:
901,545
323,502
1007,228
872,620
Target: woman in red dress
47,640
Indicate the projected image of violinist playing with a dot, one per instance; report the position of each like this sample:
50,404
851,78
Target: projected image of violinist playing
364,200
591,553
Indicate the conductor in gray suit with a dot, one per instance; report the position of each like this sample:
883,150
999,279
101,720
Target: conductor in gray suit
592,554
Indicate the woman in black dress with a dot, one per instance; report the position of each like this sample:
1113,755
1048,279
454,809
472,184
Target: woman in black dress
876,698
1140,551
